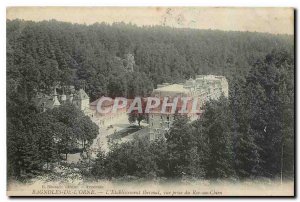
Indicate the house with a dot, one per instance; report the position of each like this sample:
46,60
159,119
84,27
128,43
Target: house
202,89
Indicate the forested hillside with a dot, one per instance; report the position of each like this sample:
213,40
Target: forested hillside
38,54
248,135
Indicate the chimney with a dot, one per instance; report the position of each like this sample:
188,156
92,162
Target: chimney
44,106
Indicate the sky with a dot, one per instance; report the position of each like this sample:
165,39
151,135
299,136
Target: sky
269,20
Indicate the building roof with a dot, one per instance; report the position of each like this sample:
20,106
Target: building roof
81,95
45,101
172,88
104,104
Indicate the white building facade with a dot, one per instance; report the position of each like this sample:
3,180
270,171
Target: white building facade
202,88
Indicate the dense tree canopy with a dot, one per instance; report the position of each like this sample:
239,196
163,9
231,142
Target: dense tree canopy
249,135
41,138
41,53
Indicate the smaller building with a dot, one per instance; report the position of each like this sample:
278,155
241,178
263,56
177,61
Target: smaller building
44,102
82,101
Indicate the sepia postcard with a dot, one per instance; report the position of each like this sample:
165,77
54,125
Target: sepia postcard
150,101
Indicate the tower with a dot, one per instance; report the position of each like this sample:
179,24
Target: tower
63,97
56,103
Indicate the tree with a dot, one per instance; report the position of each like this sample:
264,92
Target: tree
83,129
131,159
134,116
246,151
217,126
261,124
183,157
256,126
137,115
41,130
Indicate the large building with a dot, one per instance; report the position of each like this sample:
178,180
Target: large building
203,88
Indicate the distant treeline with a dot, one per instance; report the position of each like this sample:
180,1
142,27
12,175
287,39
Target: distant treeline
43,53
